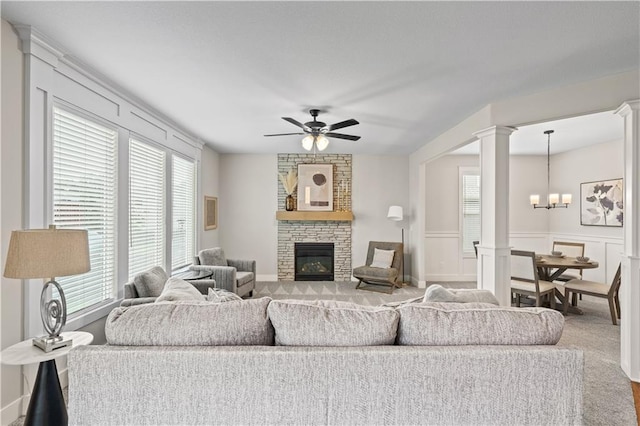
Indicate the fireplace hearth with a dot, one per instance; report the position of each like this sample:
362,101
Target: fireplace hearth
313,261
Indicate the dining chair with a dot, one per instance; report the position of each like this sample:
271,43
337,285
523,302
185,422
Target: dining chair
525,281
596,289
572,250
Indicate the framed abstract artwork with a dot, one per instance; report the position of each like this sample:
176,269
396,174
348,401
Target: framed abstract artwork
601,203
210,213
315,187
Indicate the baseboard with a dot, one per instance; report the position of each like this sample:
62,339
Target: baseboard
12,411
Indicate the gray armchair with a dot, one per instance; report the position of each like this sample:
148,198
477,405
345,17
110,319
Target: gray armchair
237,276
147,286
377,276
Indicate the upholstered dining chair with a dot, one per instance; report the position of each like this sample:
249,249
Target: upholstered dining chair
382,267
524,279
596,289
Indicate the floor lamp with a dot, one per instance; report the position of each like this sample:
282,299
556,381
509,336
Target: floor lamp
396,213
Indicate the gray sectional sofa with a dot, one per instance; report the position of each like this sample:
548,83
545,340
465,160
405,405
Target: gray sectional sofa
273,362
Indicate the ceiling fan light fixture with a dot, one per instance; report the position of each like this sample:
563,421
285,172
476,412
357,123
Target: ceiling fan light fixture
307,142
322,142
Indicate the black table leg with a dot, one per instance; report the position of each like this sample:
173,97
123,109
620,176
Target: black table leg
47,405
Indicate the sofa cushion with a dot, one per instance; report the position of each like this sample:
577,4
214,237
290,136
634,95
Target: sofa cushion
212,257
437,293
219,295
150,283
385,274
331,323
434,324
178,289
191,323
382,258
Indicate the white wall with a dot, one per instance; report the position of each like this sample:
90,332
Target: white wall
11,199
379,182
603,161
209,172
443,258
248,202
247,206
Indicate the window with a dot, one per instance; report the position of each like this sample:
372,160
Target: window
183,200
84,197
470,208
146,207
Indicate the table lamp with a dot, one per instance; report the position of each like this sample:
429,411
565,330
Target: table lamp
48,253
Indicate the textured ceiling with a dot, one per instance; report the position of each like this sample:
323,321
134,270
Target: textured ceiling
227,71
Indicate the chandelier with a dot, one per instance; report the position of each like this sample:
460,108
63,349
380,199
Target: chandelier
553,200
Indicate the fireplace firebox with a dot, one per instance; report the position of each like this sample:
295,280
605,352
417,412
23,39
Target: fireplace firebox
313,261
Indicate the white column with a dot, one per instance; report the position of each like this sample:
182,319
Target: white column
494,271
630,287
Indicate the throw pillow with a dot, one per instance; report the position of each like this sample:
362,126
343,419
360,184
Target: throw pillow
191,323
150,283
179,289
219,295
331,323
437,293
213,257
382,258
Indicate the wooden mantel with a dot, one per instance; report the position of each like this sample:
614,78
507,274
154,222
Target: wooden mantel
328,216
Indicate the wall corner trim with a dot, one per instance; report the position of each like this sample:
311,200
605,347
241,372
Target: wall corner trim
37,44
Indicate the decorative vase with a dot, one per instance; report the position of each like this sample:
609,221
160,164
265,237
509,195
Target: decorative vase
289,204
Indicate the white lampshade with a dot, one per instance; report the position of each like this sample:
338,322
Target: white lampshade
307,142
534,199
566,198
395,213
554,198
47,253
322,142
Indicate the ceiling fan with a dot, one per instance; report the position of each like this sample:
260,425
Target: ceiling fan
316,131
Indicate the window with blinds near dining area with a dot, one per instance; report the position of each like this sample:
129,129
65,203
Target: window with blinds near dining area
469,208
84,197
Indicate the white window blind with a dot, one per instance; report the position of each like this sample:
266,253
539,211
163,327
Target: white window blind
84,197
146,207
183,213
470,211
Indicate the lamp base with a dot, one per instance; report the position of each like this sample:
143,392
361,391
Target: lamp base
51,343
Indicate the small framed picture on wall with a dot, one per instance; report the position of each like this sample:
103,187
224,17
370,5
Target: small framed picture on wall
601,203
315,187
210,213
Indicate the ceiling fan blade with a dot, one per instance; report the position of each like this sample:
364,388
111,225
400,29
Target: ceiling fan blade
340,125
342,136
297,123
286,134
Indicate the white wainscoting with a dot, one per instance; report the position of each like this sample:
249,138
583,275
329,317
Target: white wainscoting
444,260
607,251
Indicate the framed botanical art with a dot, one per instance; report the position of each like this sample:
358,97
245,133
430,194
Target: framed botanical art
601,203
315,187
210,213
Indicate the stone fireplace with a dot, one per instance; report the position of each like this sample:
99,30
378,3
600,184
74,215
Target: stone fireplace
336,232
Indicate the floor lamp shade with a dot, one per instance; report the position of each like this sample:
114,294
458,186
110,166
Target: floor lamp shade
395,213
49,253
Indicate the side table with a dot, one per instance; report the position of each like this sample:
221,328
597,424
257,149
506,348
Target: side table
46,406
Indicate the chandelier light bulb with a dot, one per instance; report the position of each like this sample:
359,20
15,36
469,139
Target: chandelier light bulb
307,142
322,142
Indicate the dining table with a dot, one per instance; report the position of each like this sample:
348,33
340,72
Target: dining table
550,267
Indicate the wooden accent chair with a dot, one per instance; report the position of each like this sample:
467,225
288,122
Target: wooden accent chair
572,250
524,279
475,247
377,276
596,289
